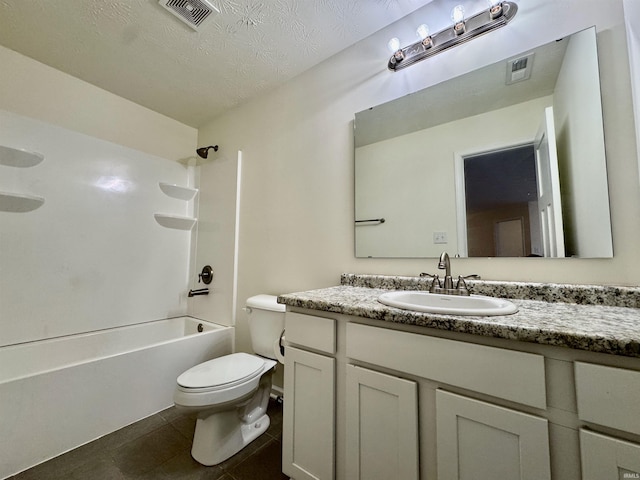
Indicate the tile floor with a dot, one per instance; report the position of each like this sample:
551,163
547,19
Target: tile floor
159,448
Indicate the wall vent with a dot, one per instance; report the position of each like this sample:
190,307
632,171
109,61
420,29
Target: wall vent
519,69
191,12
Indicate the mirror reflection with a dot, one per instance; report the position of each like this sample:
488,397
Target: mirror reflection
507,160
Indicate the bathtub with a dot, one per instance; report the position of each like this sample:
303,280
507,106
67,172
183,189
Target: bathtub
58,394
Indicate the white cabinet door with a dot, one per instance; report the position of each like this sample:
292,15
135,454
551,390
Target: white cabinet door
609,458
481,441
382,426
308,442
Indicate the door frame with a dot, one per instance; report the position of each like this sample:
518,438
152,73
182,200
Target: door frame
548,178
461,202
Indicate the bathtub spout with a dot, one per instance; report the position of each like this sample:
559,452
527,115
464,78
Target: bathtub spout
199,291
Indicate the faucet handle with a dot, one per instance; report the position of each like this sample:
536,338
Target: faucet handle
435,283
473,276
461,286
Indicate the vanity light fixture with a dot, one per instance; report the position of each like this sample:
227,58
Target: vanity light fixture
463,29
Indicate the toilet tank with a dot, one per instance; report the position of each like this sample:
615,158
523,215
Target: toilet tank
266,322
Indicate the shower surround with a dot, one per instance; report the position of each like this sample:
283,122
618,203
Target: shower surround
92,256
82,248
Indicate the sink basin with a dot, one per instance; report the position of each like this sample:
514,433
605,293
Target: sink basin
448,304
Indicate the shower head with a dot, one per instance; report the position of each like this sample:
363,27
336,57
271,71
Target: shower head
204,151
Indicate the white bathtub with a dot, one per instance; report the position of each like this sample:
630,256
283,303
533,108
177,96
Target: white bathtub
58,394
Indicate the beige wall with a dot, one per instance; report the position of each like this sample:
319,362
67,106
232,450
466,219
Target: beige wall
296,227
38,91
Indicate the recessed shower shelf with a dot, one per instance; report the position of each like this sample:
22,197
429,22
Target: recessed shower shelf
14,157
175,221
176,191
19,202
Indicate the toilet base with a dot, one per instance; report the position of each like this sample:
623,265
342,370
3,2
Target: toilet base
222,434
218,437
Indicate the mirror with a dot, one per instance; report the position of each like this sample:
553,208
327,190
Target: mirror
507,160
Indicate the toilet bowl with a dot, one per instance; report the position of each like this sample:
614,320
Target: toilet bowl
230,394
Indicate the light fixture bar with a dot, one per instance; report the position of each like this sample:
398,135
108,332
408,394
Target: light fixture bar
474,26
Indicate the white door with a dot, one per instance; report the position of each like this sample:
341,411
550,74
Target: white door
308,440
606,457
509,235
382,426
481,441
549,201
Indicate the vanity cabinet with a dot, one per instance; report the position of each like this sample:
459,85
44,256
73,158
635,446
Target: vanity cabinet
382,426
474,439
366,399
308,444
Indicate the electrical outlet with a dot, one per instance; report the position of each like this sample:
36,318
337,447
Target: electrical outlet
440,237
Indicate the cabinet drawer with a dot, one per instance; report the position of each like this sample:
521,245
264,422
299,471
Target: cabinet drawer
318,333
608,396
507,374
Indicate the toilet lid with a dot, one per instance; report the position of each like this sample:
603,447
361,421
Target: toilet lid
222,370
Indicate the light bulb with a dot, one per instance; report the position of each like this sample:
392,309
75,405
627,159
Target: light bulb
495,8
423,31
394,45
457,14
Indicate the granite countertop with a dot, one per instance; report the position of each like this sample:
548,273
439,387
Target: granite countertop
593,318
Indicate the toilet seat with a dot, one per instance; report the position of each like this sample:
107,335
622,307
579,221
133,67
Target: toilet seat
222,372
221,380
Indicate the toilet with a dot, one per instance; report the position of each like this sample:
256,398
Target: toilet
230,394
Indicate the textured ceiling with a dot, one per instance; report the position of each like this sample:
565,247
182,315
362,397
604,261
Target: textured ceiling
138,50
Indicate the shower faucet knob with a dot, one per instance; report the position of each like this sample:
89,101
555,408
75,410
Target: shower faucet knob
206,275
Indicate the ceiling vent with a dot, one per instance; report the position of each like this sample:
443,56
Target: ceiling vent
519,69
191,12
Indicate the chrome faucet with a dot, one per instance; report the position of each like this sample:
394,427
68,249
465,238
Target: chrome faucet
445,264
446,287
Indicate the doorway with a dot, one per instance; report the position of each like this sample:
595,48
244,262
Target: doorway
500,207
